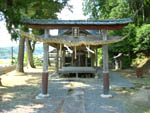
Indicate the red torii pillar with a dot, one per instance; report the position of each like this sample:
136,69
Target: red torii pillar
44,92
105,68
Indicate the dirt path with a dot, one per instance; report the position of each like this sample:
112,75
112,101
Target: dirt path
66,95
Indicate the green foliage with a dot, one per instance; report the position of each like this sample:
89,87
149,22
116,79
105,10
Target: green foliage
122,10
25,59
14,60
14,10
138,39
100,56
143,39
126,45
105,9
140,9
37,61
91,8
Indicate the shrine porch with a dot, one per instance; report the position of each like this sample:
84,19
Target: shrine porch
77,70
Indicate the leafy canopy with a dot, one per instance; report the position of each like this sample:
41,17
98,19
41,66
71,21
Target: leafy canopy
143,39
138,39
14,10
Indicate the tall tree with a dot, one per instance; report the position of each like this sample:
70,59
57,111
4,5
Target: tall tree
29,50
20,63
14,10
138,10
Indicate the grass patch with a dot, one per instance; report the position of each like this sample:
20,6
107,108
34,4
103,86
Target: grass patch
136,99
5,61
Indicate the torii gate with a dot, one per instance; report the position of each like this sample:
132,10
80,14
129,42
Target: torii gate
102,25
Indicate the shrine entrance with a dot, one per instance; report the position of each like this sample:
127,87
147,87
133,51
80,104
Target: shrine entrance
82,38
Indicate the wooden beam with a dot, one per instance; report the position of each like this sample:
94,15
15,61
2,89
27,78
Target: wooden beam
105,65
81,27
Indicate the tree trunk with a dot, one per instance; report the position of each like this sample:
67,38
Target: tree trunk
29,54
20,60
12,61
0,82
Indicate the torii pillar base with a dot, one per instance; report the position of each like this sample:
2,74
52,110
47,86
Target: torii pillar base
105,68
44,83
106,86
106,96
44,93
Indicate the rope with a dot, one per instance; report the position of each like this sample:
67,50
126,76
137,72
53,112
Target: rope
75,50
57,40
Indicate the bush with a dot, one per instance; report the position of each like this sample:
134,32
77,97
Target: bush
37,62
143,38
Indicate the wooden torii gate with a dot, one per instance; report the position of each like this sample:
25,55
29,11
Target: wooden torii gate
103,25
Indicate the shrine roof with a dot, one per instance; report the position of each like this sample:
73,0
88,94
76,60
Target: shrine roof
77,22
83,24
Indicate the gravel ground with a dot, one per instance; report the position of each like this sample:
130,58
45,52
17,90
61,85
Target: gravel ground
66,96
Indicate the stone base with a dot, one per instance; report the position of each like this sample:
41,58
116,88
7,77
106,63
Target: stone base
42,96
106,96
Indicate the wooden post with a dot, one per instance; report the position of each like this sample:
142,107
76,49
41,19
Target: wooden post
86,64
45,66
120,64
57,60
96,57
72,57
105,67
63,58
77,75
88,51
79,61
92,60
116,64
75,52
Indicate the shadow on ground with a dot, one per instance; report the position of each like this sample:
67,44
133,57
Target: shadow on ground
69,95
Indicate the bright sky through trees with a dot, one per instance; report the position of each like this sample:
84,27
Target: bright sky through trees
77,11
77,14
5,38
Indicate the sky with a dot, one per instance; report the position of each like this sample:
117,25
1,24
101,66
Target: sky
64,15
5,38
77,11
